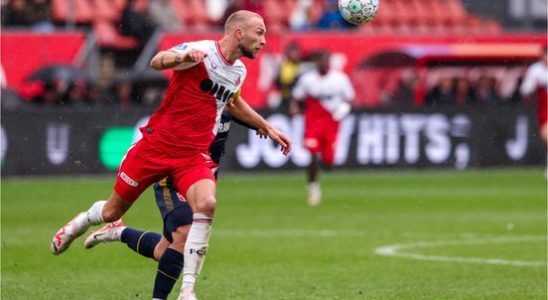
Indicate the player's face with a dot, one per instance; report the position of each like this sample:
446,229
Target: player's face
253,38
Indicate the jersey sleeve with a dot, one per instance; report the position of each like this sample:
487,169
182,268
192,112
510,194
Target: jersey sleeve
184,48
300,90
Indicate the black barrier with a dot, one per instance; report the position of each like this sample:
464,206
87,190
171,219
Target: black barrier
49,142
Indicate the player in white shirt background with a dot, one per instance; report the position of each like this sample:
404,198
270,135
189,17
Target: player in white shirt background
536,81
327,94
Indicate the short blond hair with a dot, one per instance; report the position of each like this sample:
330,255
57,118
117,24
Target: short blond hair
239,17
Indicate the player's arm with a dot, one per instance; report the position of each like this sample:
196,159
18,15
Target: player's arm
529,82
298,93
170,59
242,111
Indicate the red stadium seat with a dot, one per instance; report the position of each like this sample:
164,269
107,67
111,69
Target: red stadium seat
83,12
109,37
183,11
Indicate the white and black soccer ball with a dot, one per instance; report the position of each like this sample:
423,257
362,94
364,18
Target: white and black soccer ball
358,12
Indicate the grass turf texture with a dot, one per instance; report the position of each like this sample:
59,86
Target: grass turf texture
268,244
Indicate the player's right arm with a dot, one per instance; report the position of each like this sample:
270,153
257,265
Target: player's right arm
172,59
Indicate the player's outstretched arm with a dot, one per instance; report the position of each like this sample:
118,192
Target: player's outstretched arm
170,59
241,110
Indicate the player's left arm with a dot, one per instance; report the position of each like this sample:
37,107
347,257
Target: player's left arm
242,111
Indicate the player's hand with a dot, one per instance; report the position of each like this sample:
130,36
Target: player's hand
280,138
195,56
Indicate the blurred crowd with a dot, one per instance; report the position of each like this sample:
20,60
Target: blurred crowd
139,17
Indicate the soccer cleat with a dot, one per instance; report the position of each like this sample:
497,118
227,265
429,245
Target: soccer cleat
64,236
108,233
187,294
314,194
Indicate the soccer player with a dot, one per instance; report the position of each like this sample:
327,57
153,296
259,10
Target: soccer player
327,94
177,218
207,75
536,80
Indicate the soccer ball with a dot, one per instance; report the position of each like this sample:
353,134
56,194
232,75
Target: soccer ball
358,11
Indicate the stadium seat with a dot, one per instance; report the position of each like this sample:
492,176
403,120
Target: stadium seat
83,12
109,37
105,10
197,18
275,18
183,11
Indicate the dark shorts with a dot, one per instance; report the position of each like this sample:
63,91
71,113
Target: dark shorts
175,211
176,218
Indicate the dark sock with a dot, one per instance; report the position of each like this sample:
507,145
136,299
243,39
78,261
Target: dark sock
169,269
140,241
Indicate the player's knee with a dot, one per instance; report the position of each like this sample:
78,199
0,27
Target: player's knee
206,205
111,214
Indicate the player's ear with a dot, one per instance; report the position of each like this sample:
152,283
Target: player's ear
239,34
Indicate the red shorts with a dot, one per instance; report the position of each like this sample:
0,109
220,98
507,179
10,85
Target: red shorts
146,163
320,132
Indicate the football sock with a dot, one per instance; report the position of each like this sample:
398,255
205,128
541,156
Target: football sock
94,215
140,241
196,248
169,269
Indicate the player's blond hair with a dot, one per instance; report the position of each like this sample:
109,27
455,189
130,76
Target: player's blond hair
239,17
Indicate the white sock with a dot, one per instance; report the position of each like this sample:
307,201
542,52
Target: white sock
94,215
196,248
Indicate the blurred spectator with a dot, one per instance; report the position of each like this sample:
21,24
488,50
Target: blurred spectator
464,94
135,23
442,94
124,94
235,5
300,18
215,9
39,14
93,95
49,95
14,14
163,15
405,93
288,74
332,18
485,91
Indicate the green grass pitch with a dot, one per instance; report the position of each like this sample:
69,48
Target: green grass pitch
478,234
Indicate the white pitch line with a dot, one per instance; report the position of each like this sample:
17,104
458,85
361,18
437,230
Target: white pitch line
395,251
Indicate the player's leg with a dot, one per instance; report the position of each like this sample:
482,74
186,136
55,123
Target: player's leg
170,263
176,228
201,196
135,175
314,190
100,212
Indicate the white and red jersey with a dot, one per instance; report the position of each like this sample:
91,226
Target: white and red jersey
536,79
332,90
190,113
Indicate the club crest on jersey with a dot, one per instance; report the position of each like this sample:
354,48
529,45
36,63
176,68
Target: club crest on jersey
181,47
218,90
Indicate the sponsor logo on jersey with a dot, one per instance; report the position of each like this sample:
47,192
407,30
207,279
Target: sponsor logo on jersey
218,90
128,180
